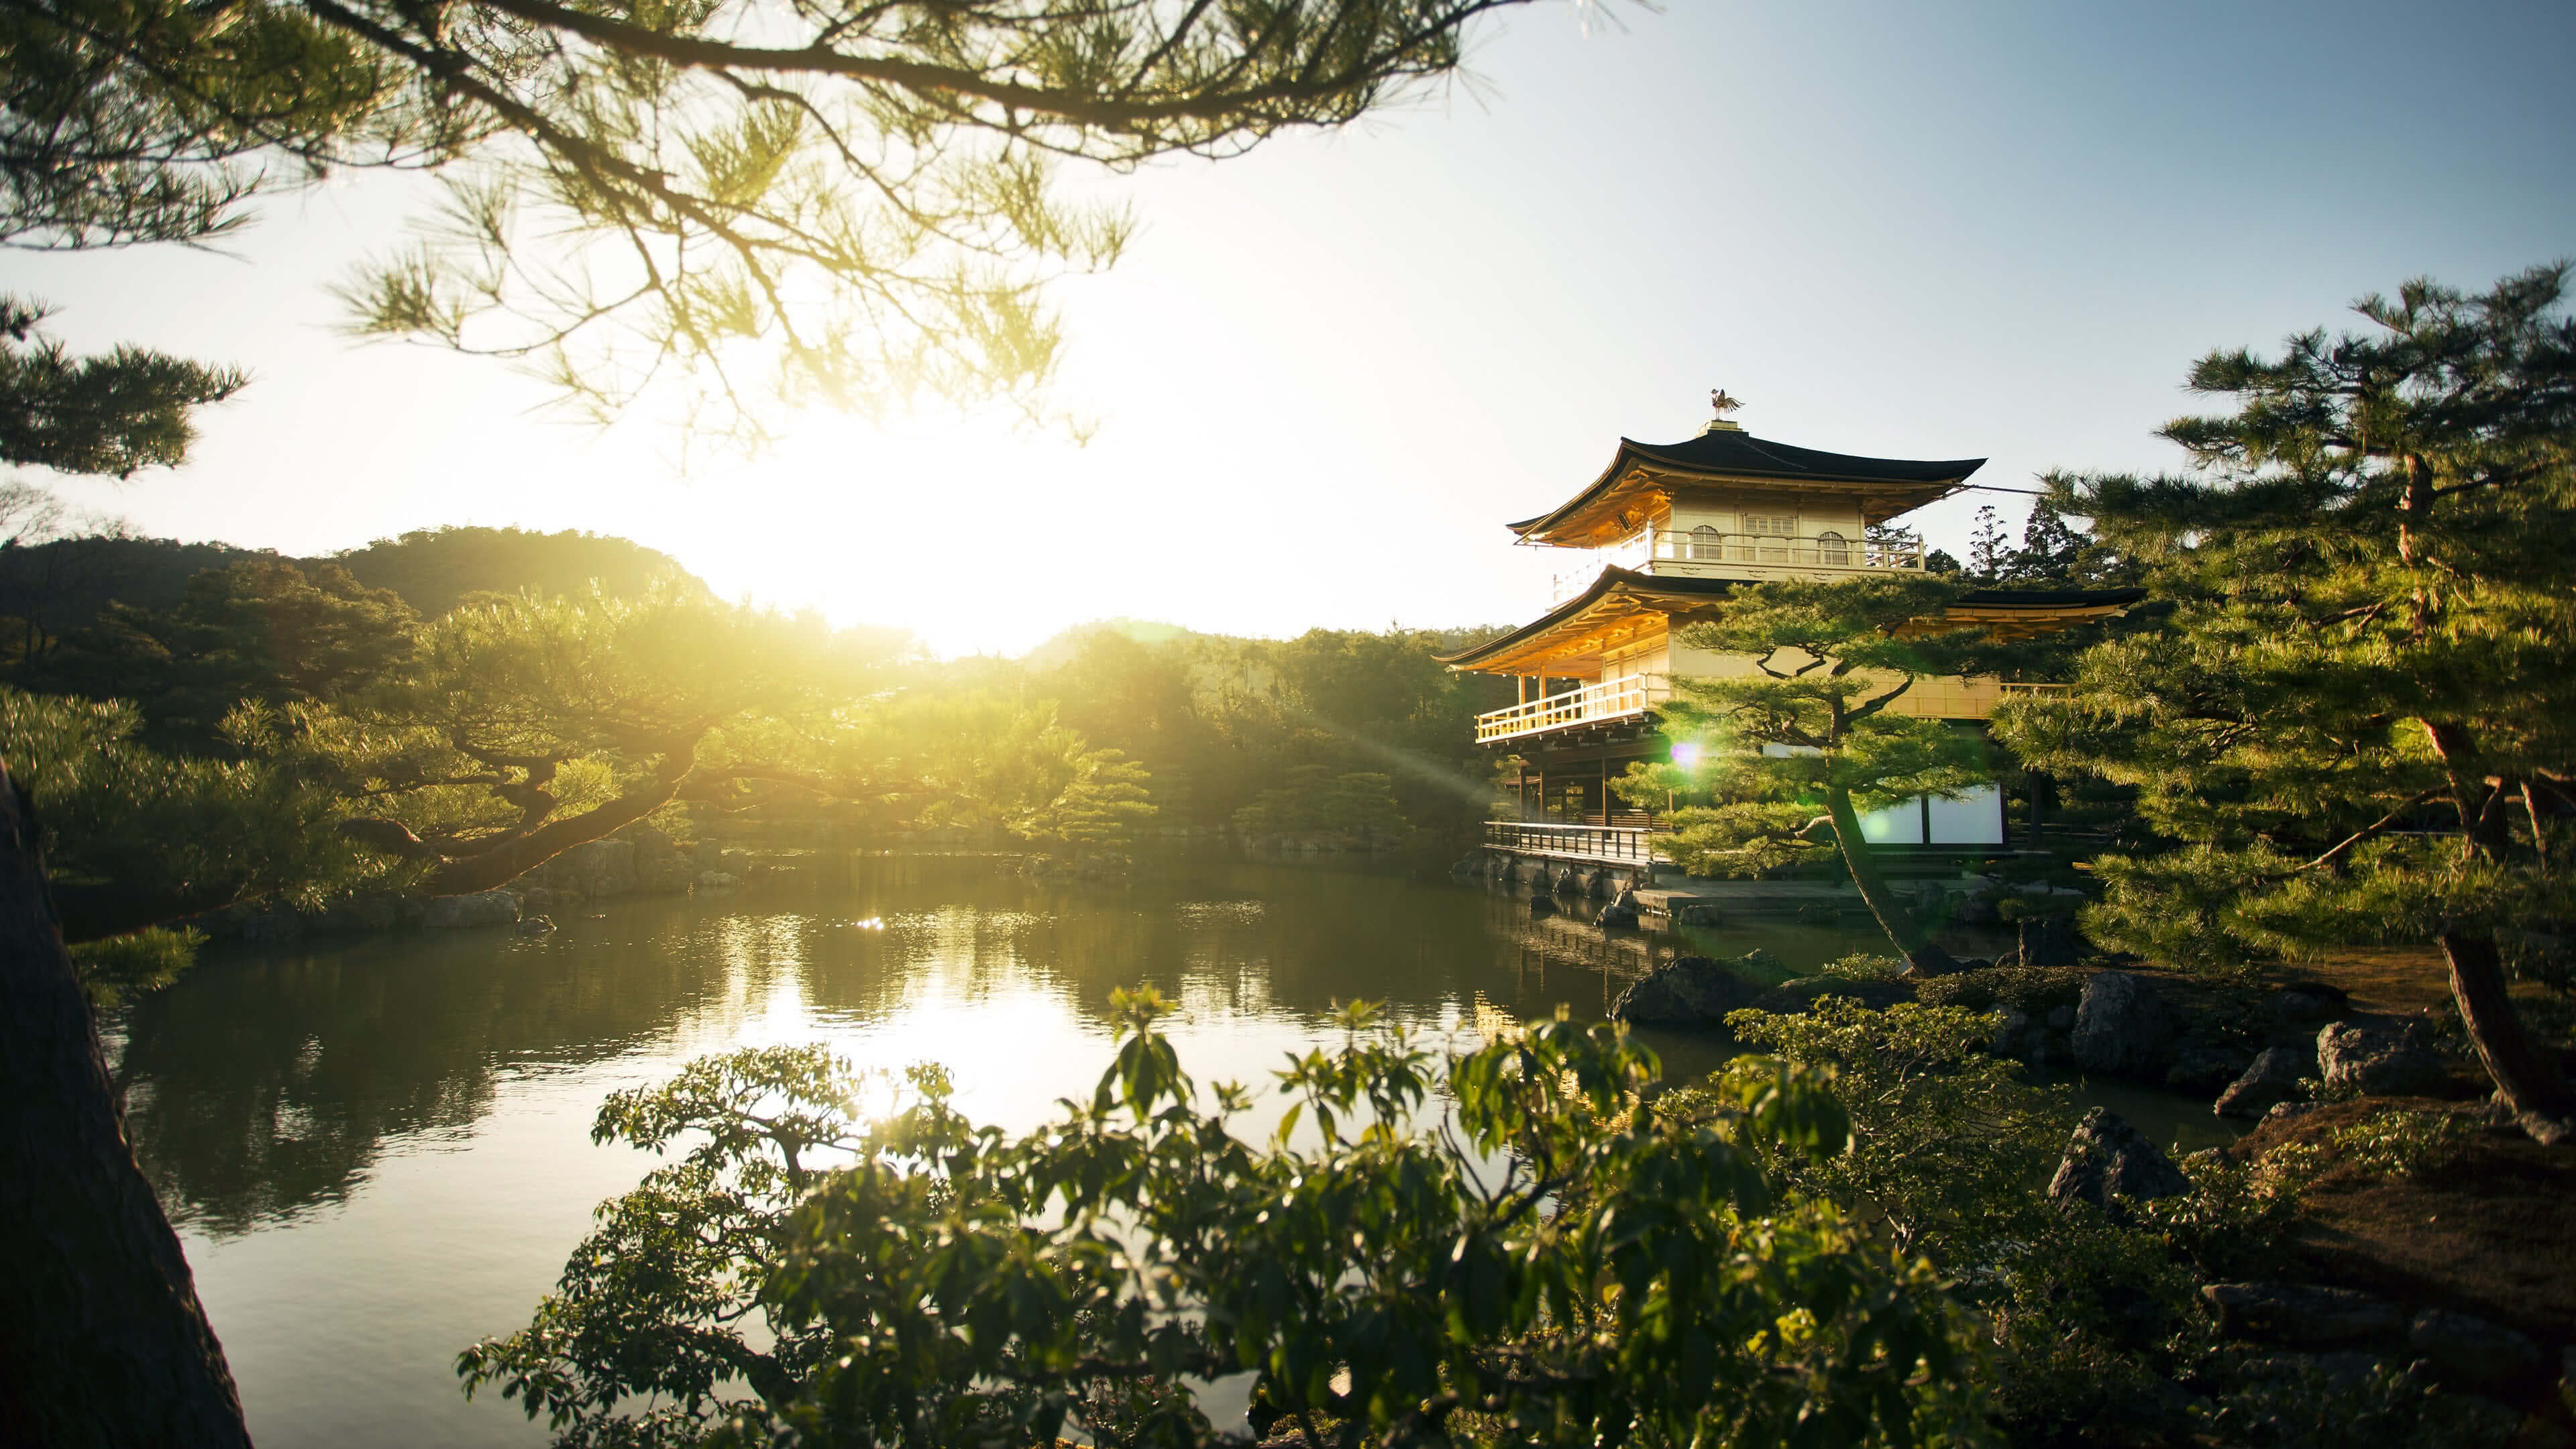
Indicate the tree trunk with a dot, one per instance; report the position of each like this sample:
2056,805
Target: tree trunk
2530,1081
102,1341
1913,941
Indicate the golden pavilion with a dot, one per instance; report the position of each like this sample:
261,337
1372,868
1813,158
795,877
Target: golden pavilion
1664,532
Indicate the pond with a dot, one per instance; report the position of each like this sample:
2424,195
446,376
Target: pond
377,1149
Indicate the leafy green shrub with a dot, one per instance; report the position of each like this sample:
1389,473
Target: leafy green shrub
1865,967
2403,1144
1551,1257
2237,1217
2031,990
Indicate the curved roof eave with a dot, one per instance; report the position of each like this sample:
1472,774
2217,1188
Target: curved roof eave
1742,455
1614,577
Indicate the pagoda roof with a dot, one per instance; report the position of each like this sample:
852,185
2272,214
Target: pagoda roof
1615,599
1888,486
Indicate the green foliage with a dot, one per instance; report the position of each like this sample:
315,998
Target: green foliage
135,837
2358,721
2396,1143
1947,1140
1357,807
1865,967
116,414
2031,990
1552,1259
435,569
1101,803
1226,724
846,204
1809,724
2371,619
112,967
261,631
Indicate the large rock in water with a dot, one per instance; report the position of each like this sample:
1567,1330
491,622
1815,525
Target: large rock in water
600,867
482,908
2120,1026
2377,1060
2108,1160
661,868
1691,991
2273,1079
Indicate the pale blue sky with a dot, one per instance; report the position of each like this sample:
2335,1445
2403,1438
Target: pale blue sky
1327,372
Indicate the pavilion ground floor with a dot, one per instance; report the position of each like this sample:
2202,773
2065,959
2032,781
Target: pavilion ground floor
1568,808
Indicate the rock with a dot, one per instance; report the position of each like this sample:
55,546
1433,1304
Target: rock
1801,993
1758,962
1617,915
1600,886
1540,907
2108,1160
2301,1316
2120,1026
1688,991
2346,1369
1472,863
2272,1081
2301,1002
2471,1353
1976,911
538,899
599,867
2285,1111
2061,1018
2206,1068
717,880
2049,941
482,908
2377,1060
1697,914
534,926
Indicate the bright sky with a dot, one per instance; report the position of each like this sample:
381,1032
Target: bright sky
1327,372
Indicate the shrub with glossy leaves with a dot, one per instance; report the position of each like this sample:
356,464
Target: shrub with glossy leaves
1511,1244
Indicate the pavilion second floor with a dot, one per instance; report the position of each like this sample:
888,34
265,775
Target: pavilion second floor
1600,663
1579,706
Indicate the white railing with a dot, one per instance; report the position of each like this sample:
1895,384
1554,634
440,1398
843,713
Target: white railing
1682,548
1618,699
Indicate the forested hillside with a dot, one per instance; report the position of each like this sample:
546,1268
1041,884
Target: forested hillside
51,590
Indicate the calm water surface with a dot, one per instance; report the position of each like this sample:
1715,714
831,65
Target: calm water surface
378,1150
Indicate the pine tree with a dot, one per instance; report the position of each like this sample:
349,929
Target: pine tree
1989,547
2361,718
128,410
1809,736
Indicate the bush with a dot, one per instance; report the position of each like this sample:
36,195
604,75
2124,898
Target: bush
2403,1143
2031,990
1552,1257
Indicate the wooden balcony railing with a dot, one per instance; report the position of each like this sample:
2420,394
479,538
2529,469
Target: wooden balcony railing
1675,550
1618,699
1623,843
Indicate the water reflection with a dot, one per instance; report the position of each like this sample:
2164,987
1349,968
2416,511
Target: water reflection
268,1082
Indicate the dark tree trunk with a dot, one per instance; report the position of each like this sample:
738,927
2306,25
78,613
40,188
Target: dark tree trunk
102,1341
2530,1081
1913,939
